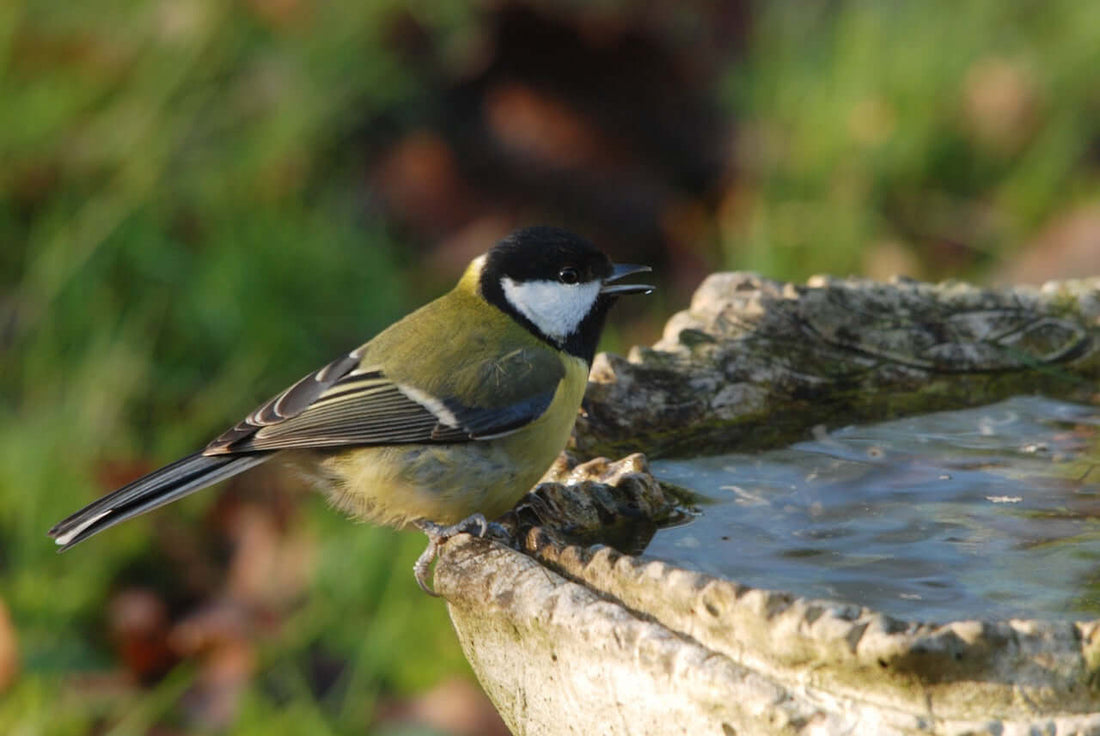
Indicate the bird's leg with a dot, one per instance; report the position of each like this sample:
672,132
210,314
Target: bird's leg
438,534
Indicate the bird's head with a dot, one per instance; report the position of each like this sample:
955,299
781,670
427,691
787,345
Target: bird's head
556,284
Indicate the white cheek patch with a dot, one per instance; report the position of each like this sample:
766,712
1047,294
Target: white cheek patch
556,309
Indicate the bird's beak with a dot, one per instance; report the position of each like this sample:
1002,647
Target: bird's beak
622,270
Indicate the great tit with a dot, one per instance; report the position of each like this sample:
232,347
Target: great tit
445,418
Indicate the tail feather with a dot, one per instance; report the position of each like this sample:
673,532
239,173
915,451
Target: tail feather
162,486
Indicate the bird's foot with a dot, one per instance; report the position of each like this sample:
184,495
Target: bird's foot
475,524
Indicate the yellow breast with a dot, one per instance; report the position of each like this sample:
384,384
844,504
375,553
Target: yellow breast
398,484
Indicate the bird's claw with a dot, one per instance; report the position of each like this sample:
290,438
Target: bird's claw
475,524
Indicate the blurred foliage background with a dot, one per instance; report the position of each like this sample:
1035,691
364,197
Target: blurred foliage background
201,201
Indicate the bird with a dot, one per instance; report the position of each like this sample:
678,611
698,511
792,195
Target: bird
443,420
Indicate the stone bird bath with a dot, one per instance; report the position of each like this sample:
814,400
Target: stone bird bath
570,636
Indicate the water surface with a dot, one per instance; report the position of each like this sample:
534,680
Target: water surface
991,512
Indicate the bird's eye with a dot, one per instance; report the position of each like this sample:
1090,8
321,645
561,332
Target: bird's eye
569,275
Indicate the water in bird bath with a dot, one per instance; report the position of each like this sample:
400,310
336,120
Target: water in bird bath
981,513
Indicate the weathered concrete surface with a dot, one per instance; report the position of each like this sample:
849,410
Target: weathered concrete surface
1008,670
756,363
569,640
615,503
557,659
579,640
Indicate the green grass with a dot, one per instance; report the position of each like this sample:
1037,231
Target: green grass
862,125
182,237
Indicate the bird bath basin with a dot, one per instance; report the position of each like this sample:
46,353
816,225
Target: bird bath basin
928,566
991,512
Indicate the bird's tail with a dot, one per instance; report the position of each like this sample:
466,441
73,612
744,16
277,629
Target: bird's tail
162,486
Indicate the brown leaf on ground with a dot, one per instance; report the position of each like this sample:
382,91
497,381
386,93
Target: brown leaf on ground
138,622
1001,102
9,649
420,181
1067,248
282,15
217,624
214,700
455,706
218,636
888,258
540,127
270,568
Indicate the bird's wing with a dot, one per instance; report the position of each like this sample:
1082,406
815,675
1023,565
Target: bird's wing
347,403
